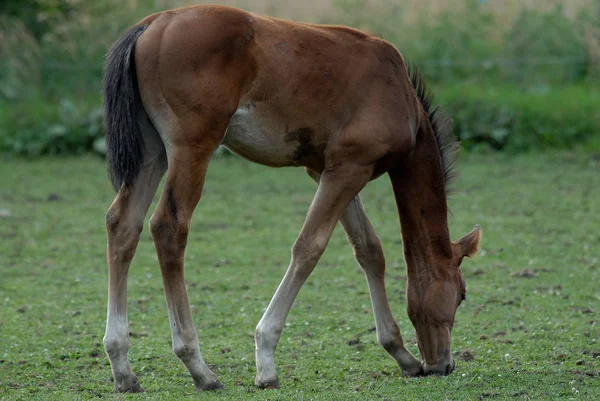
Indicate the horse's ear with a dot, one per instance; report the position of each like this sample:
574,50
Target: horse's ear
469,244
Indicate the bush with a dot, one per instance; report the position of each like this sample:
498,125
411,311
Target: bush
39,127
50,79
457,45
508,118
545,47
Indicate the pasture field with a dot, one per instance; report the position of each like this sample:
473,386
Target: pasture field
529,329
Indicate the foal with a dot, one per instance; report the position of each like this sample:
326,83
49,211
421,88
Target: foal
331,99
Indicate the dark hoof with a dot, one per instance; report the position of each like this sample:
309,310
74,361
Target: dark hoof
211,386
416,372
131,388
269,384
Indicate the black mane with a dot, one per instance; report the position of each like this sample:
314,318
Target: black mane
441,123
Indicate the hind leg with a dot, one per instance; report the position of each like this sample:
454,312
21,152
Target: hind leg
124,222
169,226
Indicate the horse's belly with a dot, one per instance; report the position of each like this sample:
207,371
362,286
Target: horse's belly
259,140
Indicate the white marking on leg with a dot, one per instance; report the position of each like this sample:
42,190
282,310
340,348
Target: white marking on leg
124,220
270,327
332,197
185,342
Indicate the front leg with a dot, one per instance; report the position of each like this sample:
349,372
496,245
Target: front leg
336,190
369,255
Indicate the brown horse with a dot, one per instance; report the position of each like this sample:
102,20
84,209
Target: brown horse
337,101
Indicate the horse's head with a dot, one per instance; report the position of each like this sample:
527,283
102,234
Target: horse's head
433,298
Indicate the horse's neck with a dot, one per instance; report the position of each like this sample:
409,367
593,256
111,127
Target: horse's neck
419,188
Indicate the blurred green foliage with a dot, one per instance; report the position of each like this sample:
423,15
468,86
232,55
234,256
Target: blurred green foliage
545,47
515,86
512,119
39,16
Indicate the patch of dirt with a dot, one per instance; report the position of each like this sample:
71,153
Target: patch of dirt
382,373
466,355
527,273
221,262
586,374
53,198
144,300
356,339
488,394
593,354
140,334
478,309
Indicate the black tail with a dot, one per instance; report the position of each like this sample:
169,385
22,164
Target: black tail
124,142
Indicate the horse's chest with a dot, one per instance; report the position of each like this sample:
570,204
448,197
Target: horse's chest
265,140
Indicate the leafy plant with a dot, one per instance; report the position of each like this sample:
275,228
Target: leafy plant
48,129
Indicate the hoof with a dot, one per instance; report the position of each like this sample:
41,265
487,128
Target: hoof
441,370
268,384
213,386
133,387
416,371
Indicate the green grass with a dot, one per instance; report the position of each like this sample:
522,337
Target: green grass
530,337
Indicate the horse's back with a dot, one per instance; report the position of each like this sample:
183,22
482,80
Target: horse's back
292,88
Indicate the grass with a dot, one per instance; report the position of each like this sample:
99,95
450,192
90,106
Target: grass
529,328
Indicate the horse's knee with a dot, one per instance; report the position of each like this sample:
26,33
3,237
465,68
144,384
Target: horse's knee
369,254
308,252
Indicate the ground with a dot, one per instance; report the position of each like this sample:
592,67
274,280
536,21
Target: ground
528,330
